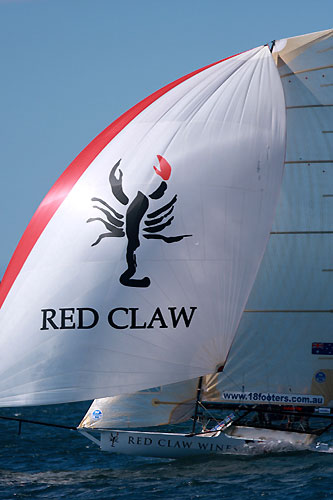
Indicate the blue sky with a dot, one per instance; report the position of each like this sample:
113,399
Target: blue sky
71,67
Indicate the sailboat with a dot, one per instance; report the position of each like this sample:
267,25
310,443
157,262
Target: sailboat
180,269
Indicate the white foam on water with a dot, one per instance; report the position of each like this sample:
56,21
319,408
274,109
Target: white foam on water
273,446
321,447
284,447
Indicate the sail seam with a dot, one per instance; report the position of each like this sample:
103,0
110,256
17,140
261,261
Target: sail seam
310,106
308,161
288,310
301,232
307,70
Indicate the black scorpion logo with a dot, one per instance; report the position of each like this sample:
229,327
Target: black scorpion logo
134,214
114,438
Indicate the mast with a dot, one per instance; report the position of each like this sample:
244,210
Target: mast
195,417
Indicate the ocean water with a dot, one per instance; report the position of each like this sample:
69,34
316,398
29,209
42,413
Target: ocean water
50,463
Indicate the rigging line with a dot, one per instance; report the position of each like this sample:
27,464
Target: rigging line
20,420
306,70
239,417
209,413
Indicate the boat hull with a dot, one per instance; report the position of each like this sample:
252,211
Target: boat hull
175,445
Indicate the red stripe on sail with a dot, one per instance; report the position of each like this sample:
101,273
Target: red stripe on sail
62,187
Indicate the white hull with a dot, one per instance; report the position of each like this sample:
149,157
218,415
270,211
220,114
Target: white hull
236,440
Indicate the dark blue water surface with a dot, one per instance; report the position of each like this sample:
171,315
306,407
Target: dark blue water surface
51,463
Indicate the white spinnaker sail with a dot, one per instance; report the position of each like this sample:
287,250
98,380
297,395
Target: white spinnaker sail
284,343
143,308
281,364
